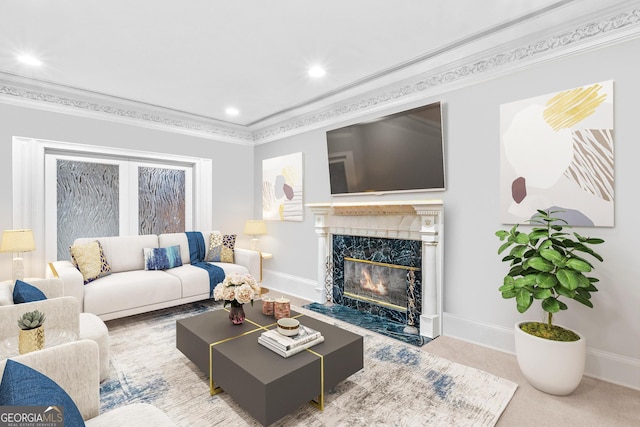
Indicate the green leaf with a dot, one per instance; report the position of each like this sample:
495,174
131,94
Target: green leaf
546,280
565,292
505,288
504,246
523,300
562,305
582,300
509,294
551,255
518,251
568,278
502,234
542,293
583,293
578,265
522,238
551,305
540,264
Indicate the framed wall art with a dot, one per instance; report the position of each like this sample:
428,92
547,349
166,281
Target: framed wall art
556,152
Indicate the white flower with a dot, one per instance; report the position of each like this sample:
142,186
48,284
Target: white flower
229,293
218,291
244,293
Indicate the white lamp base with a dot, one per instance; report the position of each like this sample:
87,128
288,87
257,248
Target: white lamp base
18,268
255,244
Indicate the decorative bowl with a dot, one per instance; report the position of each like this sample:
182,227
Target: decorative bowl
288,326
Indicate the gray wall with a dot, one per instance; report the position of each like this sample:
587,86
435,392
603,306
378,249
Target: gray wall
472,269
232,179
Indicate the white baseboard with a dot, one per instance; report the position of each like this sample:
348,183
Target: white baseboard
292,285
602,365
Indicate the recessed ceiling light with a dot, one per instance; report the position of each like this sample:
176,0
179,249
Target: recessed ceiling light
232,111
317,71
30,60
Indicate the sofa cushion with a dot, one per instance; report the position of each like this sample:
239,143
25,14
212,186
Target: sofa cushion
221,247
25,292
162,258
139,288
173,239
24,386
90,260
195,280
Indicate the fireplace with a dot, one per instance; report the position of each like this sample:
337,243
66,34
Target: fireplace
360,244
377,283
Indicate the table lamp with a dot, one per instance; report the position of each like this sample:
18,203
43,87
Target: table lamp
255,228
17,241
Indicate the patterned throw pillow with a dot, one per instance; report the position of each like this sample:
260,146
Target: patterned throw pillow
221,248
24,386
162,258
89,259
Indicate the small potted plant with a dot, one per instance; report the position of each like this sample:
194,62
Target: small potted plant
31,336
548,264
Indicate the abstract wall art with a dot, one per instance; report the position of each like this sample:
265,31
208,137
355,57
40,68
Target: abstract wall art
282,188
556,152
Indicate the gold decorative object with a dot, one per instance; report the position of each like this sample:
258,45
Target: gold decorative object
31,340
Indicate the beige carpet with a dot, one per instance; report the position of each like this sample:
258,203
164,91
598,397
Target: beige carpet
399,386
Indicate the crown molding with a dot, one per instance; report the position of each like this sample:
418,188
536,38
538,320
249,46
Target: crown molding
620,25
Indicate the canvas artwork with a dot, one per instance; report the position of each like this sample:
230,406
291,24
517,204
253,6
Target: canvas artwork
282,188
556,152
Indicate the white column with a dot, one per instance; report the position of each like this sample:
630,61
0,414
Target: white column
431,317
321,216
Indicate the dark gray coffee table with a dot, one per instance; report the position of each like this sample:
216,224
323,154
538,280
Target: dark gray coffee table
263,383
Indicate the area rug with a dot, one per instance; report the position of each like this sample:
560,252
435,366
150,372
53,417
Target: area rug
400,385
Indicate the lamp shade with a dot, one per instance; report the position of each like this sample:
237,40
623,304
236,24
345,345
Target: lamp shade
17,241
255,227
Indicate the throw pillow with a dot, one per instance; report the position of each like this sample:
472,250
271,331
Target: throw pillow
90,260
162,258
24,292
24,386
221,248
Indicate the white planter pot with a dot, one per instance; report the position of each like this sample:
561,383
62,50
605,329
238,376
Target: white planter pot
554,367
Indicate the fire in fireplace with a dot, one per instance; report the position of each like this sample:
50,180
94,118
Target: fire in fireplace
376,282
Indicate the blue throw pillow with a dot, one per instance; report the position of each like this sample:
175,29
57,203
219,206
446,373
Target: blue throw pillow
23,386
24,292
162,258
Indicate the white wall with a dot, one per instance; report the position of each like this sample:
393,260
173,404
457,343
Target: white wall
473,272
232,176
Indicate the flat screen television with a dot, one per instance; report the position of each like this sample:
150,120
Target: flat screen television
396,153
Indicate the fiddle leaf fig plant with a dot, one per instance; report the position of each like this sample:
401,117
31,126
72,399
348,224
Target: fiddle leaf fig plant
548,264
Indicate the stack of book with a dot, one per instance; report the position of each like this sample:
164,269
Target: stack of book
288,346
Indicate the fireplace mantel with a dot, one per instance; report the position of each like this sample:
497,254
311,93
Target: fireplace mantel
411,220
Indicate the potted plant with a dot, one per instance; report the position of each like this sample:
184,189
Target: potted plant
31,337
548,264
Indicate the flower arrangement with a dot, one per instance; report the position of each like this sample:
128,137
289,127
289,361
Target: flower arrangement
237,289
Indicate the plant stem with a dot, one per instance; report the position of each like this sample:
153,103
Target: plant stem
550,317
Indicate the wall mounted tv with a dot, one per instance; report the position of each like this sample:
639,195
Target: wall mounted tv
400,152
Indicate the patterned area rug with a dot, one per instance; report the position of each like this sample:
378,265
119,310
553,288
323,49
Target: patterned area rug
400,385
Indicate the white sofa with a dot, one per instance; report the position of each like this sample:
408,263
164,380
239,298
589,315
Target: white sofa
130,289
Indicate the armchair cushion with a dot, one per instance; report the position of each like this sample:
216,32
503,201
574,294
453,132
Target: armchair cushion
24,292
24,386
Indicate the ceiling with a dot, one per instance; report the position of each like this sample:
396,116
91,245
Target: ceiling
202,56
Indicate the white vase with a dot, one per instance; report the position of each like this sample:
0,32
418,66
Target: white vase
554,367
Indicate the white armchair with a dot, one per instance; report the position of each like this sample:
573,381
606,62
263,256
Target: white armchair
75,368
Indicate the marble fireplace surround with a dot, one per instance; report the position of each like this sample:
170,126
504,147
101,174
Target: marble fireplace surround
410,220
